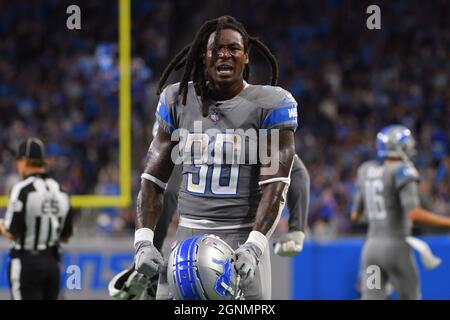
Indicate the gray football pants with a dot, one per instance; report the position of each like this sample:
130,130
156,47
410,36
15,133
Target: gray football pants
396,263
260,289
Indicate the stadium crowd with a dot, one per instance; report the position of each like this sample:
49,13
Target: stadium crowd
349,81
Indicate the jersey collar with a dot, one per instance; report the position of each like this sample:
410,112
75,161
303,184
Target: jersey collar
236,96
40,175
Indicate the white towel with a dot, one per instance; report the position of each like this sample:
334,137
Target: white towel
429,260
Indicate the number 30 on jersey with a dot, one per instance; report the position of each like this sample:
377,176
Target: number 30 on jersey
210,158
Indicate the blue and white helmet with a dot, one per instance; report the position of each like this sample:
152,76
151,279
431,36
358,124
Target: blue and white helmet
201,268
396,141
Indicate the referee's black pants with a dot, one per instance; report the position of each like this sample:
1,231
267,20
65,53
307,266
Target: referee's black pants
34,276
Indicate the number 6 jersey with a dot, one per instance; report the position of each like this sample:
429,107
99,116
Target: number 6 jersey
221,166
379,187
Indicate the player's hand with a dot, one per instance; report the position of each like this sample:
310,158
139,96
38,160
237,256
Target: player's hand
148,260
289,244
246,259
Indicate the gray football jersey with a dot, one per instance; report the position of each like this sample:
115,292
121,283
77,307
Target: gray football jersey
380,185
220,167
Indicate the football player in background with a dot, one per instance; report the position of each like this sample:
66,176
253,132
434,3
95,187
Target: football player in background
388,191
240,203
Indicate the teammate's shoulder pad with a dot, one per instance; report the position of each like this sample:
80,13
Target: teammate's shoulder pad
406,173
370,163
367,164
407,170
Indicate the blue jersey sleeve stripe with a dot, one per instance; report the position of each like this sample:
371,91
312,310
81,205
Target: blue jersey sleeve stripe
281,115
163,113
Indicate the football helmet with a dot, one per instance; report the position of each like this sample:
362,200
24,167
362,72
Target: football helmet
201,268
396,141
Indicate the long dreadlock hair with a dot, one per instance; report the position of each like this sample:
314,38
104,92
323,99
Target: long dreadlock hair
191,58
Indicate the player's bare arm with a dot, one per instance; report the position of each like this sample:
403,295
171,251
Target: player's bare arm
422,216
159,165
358,201
409,199
272,193
358,206
157,171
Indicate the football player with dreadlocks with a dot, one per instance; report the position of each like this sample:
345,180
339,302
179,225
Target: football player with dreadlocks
240,203
388,191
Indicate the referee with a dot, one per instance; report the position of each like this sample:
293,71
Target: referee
37,219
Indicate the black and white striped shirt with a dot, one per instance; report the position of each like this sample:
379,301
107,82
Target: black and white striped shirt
38,214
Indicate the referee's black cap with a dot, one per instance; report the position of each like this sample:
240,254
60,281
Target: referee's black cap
31,148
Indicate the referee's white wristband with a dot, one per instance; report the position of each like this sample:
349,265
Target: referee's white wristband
143,234
258,239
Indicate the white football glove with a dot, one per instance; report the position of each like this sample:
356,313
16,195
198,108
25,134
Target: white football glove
246,259
289,244
148,260
429,260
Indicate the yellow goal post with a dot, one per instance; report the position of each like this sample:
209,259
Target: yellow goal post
124,198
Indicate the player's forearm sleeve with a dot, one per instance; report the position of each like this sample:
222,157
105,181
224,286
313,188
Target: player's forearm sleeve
409,196
298,196
358,204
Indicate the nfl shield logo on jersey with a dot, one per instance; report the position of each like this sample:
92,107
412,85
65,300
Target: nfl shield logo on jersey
215,116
